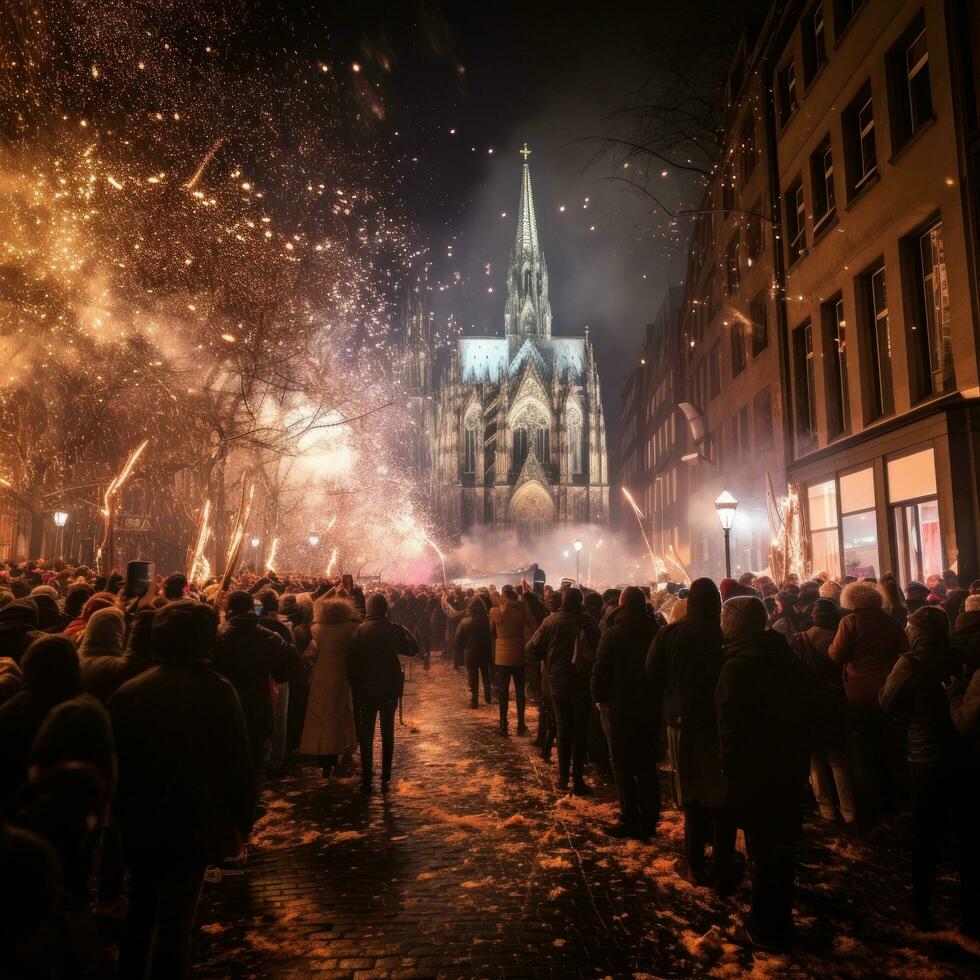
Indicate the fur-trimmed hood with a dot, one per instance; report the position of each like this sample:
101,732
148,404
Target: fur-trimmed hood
860,595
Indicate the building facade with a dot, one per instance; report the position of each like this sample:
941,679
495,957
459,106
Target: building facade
830,315
513,434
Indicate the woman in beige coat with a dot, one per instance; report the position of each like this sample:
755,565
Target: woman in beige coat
329,731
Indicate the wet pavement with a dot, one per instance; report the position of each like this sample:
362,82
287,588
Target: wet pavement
473,865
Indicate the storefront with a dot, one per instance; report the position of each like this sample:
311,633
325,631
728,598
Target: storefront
903,501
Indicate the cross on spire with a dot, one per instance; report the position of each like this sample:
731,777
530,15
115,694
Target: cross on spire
524,152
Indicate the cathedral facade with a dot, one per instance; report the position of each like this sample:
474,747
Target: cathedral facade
512,435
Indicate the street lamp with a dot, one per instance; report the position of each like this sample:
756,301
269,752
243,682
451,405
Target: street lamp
254,542
314,540
577,545
726,505
60,520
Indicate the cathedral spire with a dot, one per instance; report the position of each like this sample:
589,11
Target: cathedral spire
528,311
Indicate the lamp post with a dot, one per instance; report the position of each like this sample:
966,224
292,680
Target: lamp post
726,505
577,545
60,520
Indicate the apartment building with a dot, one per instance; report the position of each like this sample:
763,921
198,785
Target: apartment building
830,313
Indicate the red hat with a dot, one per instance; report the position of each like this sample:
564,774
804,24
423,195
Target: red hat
728,588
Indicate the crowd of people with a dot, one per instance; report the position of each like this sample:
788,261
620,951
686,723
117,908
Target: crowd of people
136,730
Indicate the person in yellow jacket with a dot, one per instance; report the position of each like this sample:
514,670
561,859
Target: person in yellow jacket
513,625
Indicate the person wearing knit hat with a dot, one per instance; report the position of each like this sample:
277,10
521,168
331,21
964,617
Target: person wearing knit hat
830,590
683,664
762,706
49,590
18,627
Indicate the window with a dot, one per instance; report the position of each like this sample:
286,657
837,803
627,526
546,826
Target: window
762,415
824,527
931,341
469,451
860,150
714,370
542,443
742,426
795,220
814,44
877,344
844,11
805,384
822,182
520,448
749,157
909,85
733,273
787,92
835,357
738,348
859,524
759,312
915,515
575,442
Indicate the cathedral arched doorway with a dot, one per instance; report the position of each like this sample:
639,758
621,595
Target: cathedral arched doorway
531,511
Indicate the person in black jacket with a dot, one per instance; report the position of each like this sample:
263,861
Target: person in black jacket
683,664
944,773
186,793
249,655
474,642
631,708
18,627
376,681
762,704
554,645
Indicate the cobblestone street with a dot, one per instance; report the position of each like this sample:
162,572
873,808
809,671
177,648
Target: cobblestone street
474,866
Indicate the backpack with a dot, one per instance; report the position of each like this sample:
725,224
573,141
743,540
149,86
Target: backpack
583,656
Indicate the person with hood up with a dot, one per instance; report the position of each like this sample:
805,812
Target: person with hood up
474,645
945,776
329,730
18,627
565,644
96,601
252,658
376,681
867,644
830,766
683,664
513,625
51,675
100,654
186,794
631,712
763,722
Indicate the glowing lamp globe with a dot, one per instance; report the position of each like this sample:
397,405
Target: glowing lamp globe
255,542
577,544
60,518
726,505
314,540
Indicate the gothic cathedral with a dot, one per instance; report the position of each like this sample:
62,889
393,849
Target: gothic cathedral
513,434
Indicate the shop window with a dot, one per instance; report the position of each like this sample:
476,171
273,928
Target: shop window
814,43
859,524
824,527
835,358
822,182
931,339
860,148
909,87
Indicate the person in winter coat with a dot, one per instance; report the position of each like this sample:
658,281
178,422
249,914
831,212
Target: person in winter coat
51,675
253,659
966,633
763,721
683,664
100,653
513,626
376,682
475,645
272,621
71,772
453,612
329,730
11,679
867,644
99,600
830,765
186,794
893,602
631,710
554,645
18,627
297,611
944,772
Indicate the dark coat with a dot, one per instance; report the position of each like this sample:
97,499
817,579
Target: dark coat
185,782
18,627
473,638
373,669
827,687
762,702
104,674
554,646
249,655
913,695
867,644
966,639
